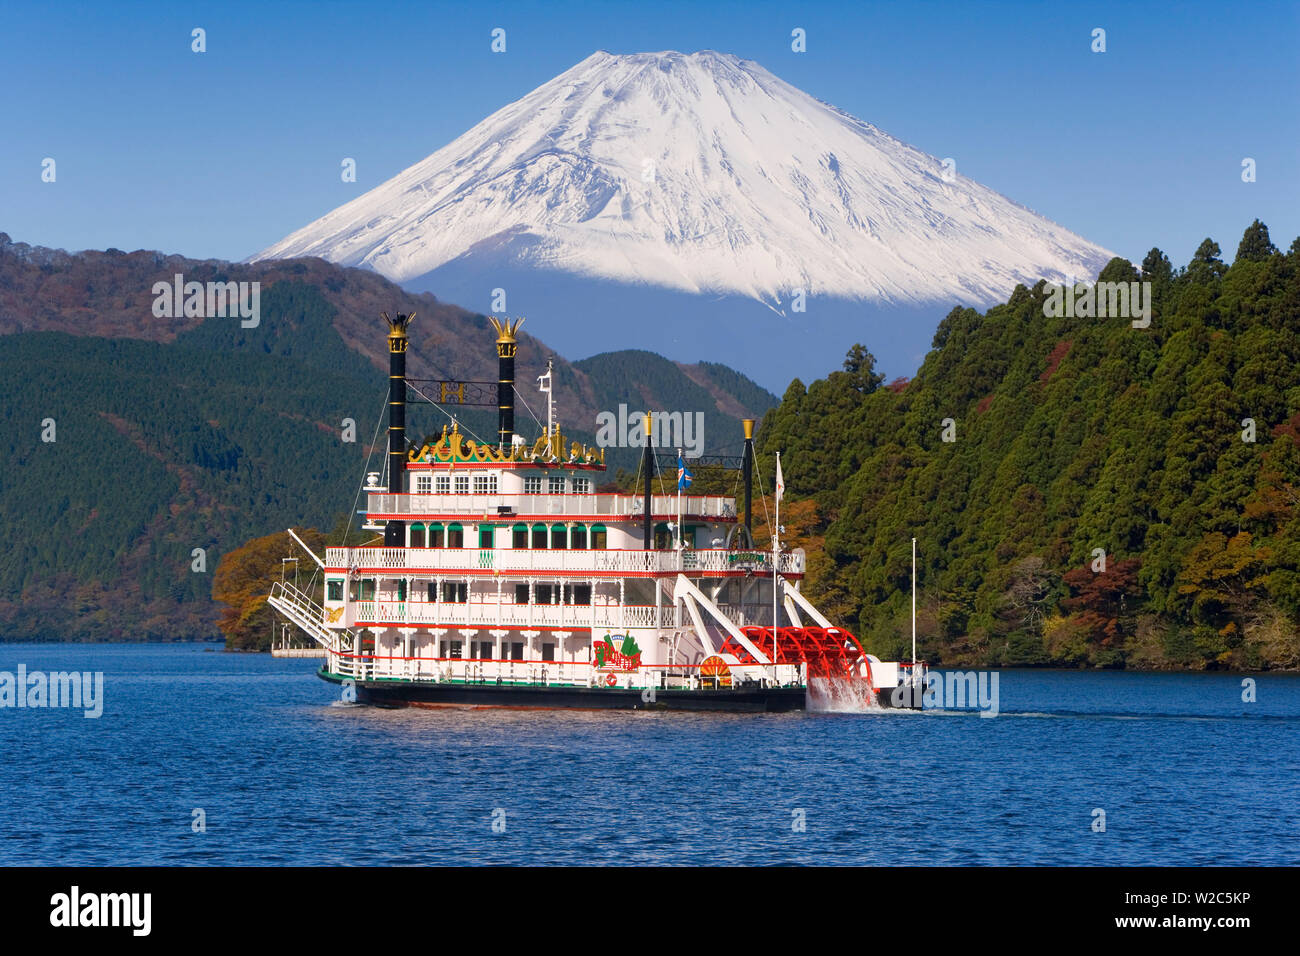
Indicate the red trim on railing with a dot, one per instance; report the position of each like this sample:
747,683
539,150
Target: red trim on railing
484,626
493,660
502,519
456,466
534,494
555,572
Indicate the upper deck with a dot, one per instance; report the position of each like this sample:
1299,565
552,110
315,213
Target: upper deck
524,505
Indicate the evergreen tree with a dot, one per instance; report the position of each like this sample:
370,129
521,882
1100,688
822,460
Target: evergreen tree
1255,245
861,368
1156,267
1103,503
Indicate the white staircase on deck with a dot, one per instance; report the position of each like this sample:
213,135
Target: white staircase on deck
306,614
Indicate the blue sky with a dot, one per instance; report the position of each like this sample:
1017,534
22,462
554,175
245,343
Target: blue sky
219,154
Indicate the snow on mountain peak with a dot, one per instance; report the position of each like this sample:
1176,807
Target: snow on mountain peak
702,173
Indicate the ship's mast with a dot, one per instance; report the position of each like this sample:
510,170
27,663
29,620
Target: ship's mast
678,529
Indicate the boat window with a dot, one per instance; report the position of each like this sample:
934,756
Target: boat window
598,537
578,537
435,536
580,594
581,486
442,484
539,536
423,484
548,652
335,590
521,593
455,536
486,536
485,484
545,594
519,536
417,536
663,538
532,484
517,651
455,592
462,484
559,537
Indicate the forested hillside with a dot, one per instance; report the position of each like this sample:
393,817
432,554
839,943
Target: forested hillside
158,450
130,441
1108,496
644,381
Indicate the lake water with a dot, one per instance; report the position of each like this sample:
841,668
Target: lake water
285,773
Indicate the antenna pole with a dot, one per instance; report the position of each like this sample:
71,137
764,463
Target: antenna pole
776,556
913,606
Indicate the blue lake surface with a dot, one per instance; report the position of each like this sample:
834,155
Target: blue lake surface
285,773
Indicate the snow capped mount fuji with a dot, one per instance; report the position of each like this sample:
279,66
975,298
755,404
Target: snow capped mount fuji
700,174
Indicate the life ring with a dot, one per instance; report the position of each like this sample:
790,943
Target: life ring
611,680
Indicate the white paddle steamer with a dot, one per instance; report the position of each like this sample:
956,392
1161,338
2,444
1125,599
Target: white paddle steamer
506,579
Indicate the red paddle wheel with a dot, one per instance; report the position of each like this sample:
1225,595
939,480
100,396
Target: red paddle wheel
828,651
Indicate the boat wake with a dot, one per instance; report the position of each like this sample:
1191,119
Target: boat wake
839,695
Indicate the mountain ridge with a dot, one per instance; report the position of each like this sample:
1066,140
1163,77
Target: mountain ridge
108,293
706,144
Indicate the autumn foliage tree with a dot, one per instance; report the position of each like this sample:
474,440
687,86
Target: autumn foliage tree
243,581
1223,577
1101,600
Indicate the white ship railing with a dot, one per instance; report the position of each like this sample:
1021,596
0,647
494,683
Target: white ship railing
380,667
509,615
581,505
525,560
